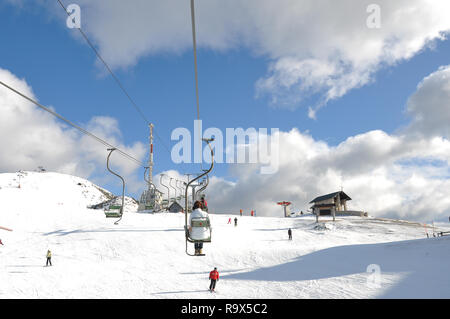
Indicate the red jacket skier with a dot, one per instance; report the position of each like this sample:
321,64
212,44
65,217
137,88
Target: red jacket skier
214,276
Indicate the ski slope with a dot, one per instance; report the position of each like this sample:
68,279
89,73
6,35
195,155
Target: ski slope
143,256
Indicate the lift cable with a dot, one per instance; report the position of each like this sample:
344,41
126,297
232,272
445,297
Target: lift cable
74,125
137,108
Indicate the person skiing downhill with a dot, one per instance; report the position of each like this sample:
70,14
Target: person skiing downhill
49,258
1,243
235,221
198,233
290,234
229,220
214,277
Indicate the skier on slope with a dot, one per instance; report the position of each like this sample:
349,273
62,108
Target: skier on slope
235,221
229,220
1,243
49,258
214,277
198,233
290,234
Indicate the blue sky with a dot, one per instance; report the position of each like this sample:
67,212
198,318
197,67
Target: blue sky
64,73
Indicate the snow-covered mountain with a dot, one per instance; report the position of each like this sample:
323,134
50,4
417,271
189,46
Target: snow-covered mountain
144,256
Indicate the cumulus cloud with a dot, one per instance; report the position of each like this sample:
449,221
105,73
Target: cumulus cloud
32,137
315,49
430,105
402,175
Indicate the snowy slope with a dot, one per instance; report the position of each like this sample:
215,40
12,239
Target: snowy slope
143,256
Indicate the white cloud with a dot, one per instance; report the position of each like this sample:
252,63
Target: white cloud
31,138
403,175
315,48
430,105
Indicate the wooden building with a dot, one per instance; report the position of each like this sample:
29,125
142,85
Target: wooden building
333,204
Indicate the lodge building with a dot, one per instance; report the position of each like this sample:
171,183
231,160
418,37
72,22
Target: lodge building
333,204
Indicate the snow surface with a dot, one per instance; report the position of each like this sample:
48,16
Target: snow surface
144,257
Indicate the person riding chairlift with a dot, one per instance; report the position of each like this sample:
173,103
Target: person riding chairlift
198,233
204,203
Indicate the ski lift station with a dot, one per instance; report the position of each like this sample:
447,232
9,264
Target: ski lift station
334,204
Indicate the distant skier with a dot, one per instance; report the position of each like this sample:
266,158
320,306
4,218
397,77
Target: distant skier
290,234
229,220
214,276
240,212
235,221
1,243
49,258
251,213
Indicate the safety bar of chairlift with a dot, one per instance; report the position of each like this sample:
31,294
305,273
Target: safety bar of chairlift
188,185
123,184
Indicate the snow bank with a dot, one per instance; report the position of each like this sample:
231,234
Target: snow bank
144,257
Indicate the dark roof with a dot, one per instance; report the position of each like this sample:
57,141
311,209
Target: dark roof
328,196
175,207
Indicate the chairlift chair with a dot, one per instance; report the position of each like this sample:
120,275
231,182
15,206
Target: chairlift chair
202,222
115,211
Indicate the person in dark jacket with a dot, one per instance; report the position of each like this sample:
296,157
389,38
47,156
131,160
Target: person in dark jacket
49,258
290,234
214,277
204,204
235,221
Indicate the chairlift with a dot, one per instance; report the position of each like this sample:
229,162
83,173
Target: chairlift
203,222
150,201
199,192
174,199
115,211
165,202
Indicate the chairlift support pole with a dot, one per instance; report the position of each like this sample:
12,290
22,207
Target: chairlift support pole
150,160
